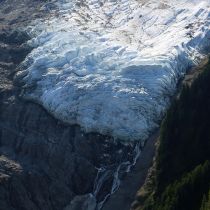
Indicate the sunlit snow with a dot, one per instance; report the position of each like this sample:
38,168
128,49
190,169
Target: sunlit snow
112,65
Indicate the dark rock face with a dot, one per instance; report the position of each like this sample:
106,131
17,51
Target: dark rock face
48,171
85,202
45,164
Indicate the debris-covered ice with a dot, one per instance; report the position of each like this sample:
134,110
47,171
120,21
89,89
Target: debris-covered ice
111,66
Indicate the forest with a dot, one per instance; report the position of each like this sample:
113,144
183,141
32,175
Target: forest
182,179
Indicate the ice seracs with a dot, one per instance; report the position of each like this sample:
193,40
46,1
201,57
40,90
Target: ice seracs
111,66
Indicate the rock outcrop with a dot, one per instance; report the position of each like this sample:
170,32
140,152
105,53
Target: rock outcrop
45,164
40,163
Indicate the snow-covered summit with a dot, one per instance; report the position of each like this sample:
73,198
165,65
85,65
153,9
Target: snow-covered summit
111,66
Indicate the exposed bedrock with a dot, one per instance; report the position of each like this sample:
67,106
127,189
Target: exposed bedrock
44,164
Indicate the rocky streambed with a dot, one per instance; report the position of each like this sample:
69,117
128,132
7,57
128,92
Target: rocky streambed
45,164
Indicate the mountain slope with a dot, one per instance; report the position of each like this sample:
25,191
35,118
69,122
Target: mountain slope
182,178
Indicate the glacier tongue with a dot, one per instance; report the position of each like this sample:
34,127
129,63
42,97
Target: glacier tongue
111,66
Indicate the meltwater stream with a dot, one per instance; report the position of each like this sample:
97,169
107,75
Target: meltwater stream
111,67
113,173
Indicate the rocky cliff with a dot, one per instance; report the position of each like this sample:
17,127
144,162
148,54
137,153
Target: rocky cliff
44,164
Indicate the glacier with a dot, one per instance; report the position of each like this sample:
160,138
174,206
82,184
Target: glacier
113,66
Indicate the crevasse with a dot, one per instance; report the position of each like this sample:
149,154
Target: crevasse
111,66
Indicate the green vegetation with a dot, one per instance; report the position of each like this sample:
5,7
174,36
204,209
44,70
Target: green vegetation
186,193
183,162
206,202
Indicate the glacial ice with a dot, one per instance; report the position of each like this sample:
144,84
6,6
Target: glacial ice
112,66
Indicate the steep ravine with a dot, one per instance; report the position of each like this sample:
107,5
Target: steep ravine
44,164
